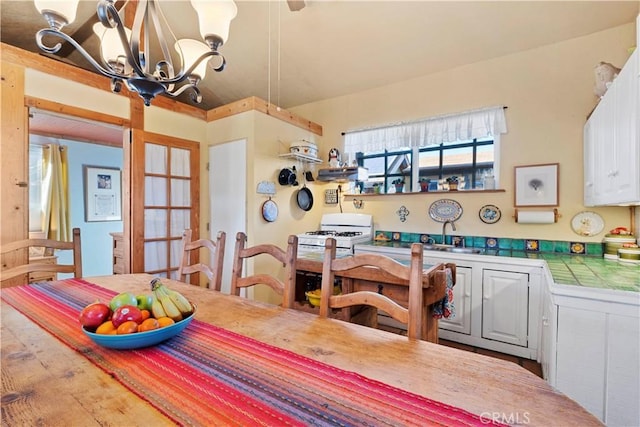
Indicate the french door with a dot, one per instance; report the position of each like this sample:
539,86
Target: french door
164,201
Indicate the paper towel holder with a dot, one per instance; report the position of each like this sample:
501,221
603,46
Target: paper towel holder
556,214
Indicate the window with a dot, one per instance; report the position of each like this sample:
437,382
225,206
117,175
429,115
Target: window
471,161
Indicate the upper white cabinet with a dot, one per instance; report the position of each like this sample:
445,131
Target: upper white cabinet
612,143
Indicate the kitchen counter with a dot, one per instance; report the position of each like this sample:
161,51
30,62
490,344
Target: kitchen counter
573,270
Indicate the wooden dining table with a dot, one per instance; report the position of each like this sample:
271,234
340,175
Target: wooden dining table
45,382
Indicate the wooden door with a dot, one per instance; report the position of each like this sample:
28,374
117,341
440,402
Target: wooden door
165,200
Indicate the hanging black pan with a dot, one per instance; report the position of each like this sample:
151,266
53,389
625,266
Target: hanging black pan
305,197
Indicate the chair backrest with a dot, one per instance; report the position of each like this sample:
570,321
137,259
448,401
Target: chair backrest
411,316
190,250
49,245
288,258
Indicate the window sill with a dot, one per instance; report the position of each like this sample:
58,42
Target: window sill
425,193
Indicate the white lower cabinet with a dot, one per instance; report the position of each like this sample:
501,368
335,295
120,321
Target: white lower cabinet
496,300
505,306
596,360
461,323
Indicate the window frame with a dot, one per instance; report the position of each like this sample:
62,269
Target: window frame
414,156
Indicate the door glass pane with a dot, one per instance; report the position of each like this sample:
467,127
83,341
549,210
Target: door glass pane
176,253
155,223
155,256
180,219
180,160
155,191
155,159
180,192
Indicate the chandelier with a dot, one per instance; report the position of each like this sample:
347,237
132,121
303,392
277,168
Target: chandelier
121,56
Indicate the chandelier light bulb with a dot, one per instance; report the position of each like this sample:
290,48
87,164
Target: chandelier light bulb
59,13
190,51
111,48
215,18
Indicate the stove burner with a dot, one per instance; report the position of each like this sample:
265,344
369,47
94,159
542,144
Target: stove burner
334,233
321,233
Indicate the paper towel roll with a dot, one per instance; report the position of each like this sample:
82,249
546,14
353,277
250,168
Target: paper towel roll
535,217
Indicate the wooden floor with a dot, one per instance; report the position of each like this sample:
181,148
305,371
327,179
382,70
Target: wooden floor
528,364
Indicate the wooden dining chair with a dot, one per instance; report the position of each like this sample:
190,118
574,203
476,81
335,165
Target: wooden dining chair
370,265
285,287
21,248
190,250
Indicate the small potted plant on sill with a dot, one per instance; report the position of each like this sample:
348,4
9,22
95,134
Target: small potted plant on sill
399,184
453,183
376,188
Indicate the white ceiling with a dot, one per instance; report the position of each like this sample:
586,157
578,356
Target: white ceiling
333,48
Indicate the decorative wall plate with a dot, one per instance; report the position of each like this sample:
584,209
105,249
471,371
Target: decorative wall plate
587,223
490,214
445,210
269,210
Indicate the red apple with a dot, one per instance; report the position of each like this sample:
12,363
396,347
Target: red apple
125,313
94,315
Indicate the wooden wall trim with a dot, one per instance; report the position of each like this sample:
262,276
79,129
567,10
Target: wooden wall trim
257,104
68,110
14,55
17,56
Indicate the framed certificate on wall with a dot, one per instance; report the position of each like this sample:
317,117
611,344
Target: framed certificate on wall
103,194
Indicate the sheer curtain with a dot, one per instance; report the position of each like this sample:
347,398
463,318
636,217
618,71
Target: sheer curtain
463,126
56,222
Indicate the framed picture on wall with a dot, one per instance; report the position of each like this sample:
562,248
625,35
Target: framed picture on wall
536,185
103,194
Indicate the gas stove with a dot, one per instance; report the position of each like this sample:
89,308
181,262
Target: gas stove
347,229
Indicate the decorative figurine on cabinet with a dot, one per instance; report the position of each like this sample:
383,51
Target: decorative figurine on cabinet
334,158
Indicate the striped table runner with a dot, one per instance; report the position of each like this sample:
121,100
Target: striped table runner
211,376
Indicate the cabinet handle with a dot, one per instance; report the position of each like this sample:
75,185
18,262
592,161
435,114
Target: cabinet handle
467,294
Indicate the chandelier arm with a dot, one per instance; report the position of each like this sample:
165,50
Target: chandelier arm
187,73
138,63
51,32
196,96
109,17
156,14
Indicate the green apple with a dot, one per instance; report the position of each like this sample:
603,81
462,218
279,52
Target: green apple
144,301
125,298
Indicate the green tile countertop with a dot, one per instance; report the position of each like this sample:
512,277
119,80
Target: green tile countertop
593,272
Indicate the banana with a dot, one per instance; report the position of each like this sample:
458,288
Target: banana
170,308
157,309
174,303
180,301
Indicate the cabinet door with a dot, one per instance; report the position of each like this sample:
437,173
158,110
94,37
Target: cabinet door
461,322
625,150
581,357
505,306
589,163
548,336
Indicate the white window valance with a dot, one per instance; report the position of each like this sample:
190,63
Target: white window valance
464,126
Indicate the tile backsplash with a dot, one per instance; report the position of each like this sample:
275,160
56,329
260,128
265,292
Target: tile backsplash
492,242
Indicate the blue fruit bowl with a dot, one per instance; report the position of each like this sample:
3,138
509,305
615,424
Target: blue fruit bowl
140,339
